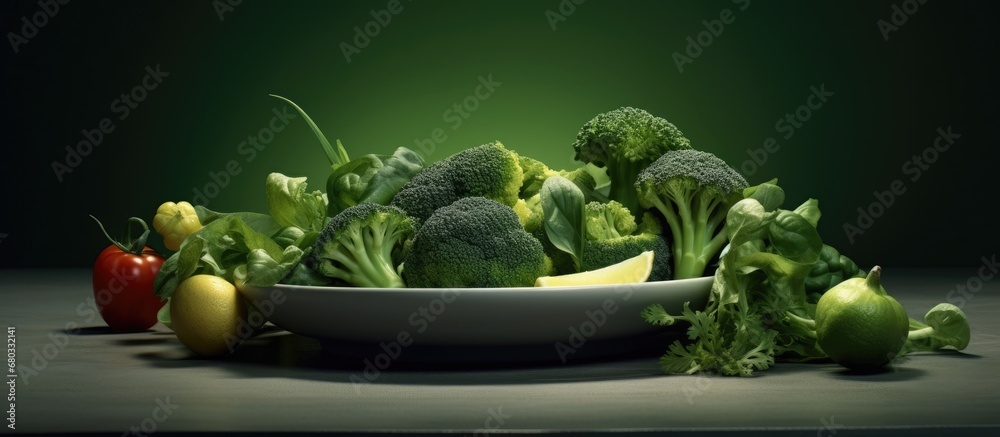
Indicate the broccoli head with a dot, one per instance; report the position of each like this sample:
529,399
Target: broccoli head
694,191
489,171
362,246
625,141
474,242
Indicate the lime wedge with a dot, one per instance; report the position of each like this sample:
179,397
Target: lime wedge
630,271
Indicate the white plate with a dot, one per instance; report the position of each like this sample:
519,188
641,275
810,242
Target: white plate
474,316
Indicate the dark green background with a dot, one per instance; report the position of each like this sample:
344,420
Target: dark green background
889,99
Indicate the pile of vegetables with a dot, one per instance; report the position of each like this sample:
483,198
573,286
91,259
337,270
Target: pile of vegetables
489,216
486,216
761,310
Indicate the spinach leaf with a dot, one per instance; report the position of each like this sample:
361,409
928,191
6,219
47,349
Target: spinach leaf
371,178
263,270
262,223
563,206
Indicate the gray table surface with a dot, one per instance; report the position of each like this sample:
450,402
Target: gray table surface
102,382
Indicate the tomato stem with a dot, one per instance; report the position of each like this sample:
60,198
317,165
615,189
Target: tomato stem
135,246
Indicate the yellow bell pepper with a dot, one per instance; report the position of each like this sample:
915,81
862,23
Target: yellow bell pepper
175,221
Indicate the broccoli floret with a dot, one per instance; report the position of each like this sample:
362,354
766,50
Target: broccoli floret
608,220
650,224
529,211
694,191
625,141
536,172
363,246
474,242
489,171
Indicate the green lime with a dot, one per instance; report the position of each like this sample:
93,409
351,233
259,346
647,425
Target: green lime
860,326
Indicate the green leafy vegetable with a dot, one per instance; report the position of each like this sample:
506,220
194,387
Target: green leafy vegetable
259,222
760,309
338,156
564,209
295,236
757,309
291,205
831,269
371,178
944,326
221,246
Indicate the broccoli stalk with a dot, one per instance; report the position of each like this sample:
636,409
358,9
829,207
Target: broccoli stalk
694,191
692,220
625,141
622,188
362,246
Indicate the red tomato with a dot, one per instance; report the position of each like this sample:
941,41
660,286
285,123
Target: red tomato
123,284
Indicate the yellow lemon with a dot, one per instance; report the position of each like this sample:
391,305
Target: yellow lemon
630,271
207,314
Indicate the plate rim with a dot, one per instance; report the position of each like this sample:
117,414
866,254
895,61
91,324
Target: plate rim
484,290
